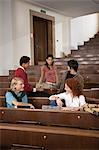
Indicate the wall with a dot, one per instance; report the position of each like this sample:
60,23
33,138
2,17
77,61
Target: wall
6,40
66,36
15,32
62,35
83,28
98,21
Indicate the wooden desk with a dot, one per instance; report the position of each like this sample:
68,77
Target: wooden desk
77,119
47,137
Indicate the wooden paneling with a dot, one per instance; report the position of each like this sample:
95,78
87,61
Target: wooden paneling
48,138
51,117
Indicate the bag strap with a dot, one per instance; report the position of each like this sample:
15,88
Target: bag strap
18,98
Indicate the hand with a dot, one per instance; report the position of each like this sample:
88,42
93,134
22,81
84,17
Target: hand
53,97
31,106
59,102
34,89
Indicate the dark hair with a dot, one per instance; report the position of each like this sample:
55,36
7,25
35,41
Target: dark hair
75,86
24,59
49,55
47,58
73,64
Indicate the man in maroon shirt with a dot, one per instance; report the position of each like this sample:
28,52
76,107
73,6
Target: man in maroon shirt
21,72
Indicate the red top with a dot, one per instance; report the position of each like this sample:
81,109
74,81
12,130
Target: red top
20,72
50,74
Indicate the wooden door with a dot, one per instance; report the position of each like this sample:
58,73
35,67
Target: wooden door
42,33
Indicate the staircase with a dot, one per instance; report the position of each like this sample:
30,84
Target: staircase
89,49
87,56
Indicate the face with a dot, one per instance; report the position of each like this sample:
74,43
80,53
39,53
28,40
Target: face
26,65
49,60
19,86
67,88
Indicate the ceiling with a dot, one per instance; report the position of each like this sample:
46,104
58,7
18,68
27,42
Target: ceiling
70,8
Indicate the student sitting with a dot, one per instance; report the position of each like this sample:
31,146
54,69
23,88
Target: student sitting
16,96
71,73
73,96
49,77
21,73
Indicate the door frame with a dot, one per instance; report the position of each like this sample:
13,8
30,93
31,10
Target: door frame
44,16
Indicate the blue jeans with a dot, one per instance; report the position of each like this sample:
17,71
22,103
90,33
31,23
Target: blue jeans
53,103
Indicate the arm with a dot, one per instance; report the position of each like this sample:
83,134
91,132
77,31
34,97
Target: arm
42,75
53,97
23,103
82,101
57,81
16,103
62,82
57,99
56,96
10,99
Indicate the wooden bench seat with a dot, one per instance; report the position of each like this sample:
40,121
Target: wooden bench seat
93,78
38,102
61,65
4,78
32,70
90,76
31,137
3,91
89,85
2,101
92,93
92,100
91,97
4,84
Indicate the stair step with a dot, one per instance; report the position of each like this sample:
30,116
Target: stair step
92,44
85,56
88,47
84,52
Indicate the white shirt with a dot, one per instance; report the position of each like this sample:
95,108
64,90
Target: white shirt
69,101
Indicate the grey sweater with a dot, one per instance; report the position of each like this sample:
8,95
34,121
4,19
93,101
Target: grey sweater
63,78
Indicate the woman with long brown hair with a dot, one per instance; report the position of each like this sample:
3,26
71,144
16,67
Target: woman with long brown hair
49,77
73,96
